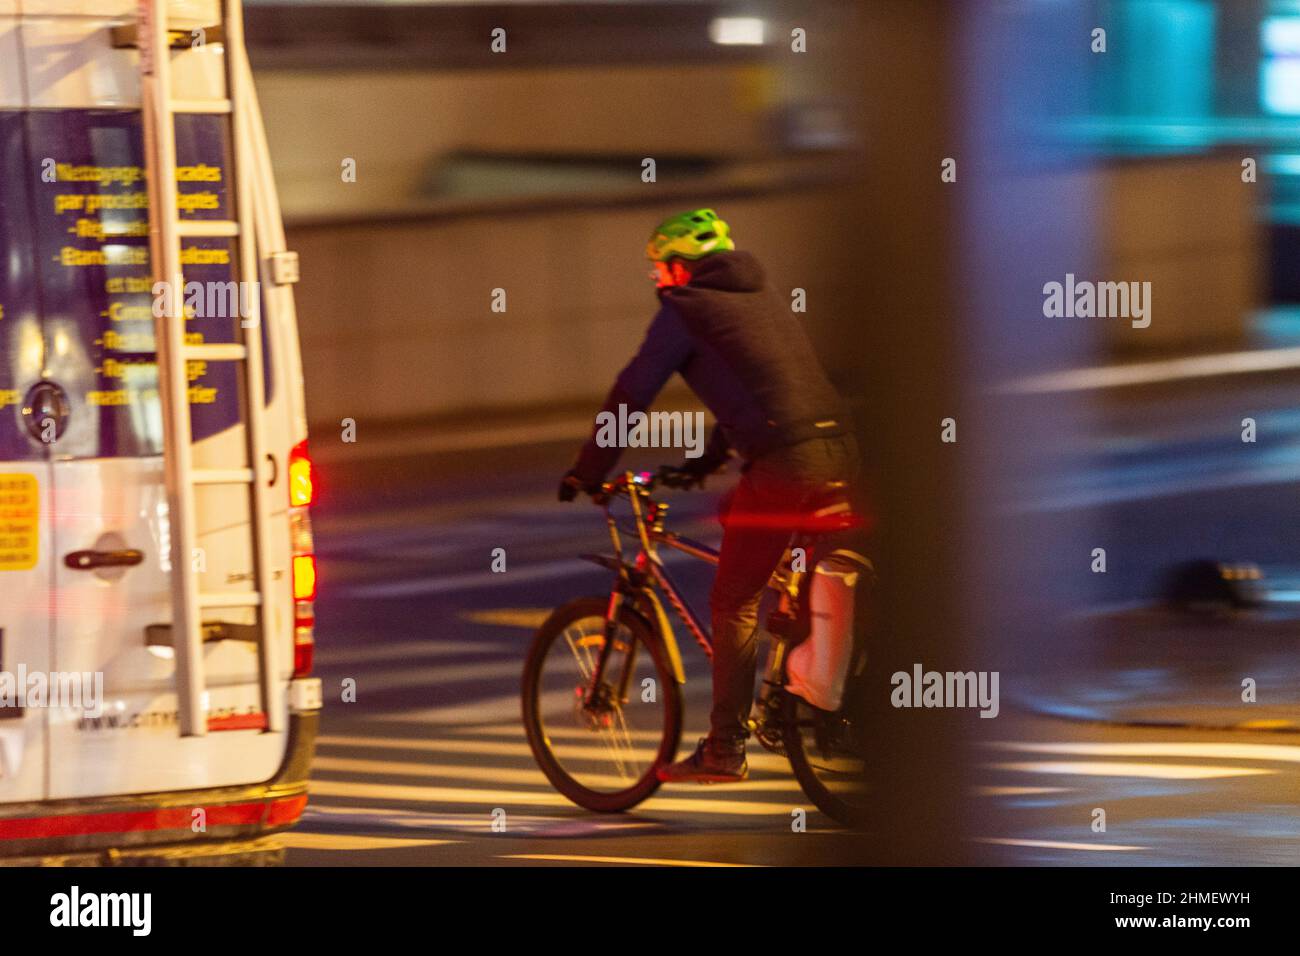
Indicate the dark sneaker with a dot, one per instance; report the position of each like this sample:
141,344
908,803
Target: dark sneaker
714,761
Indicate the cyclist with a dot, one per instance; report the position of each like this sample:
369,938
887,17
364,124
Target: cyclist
740,348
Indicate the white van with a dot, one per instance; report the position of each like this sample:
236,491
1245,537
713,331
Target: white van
88,531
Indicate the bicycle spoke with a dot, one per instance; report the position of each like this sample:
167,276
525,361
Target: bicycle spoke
586,667
600,711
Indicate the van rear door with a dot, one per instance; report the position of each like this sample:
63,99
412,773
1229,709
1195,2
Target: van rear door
111,536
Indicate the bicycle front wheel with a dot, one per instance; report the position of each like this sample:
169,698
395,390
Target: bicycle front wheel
600,746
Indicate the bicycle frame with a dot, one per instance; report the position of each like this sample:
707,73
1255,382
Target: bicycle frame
646,572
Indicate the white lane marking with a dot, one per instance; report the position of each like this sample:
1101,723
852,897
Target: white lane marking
1223,751
1163,370
757,761
328,654
508,775
623,860
1257,474
302,840
1158,771
1061,845
722,806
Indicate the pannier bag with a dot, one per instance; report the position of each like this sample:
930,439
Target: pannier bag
817,668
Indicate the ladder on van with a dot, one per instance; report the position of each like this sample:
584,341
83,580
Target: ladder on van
166,232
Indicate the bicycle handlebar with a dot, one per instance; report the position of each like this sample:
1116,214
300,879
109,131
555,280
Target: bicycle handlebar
623,484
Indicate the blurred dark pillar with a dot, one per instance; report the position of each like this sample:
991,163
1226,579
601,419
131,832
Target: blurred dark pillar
944,307
896,248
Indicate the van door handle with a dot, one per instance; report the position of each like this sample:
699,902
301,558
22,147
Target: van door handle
89,560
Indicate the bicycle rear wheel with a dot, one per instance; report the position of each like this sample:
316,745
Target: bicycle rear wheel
602,754
827,752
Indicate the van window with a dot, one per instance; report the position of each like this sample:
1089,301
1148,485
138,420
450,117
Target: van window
95,295
21,342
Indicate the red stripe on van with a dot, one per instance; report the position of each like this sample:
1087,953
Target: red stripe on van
238,722
286,810
273,813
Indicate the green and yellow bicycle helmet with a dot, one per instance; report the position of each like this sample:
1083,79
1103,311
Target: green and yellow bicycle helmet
690,235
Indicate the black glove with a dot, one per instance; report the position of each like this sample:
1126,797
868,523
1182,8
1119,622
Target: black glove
689,474
571,484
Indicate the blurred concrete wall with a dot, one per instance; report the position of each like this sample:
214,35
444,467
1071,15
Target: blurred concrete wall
397,277
1190,227
396,126
396,319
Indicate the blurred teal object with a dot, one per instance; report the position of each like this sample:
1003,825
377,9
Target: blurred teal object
1279,70
1161,60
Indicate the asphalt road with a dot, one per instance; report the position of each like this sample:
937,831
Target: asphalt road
430,755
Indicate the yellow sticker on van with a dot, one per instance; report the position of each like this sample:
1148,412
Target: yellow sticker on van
19,521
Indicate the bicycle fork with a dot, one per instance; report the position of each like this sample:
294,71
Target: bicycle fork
599,698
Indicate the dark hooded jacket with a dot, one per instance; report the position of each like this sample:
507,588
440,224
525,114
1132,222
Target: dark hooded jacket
742,350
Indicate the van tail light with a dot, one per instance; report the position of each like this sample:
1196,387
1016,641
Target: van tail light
304,638
302,477
301,481
304,577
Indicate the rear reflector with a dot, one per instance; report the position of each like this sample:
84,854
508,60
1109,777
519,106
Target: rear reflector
304,651
304,638
301,539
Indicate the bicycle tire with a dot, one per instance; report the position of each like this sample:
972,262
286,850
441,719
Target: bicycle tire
670,698
846,812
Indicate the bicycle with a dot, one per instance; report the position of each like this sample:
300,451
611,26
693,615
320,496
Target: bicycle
602,684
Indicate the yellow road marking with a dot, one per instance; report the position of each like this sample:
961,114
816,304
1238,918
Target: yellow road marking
298,840
557,733
595,751
723,805
405,650
1225,751
1017,791
527,617
510,775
